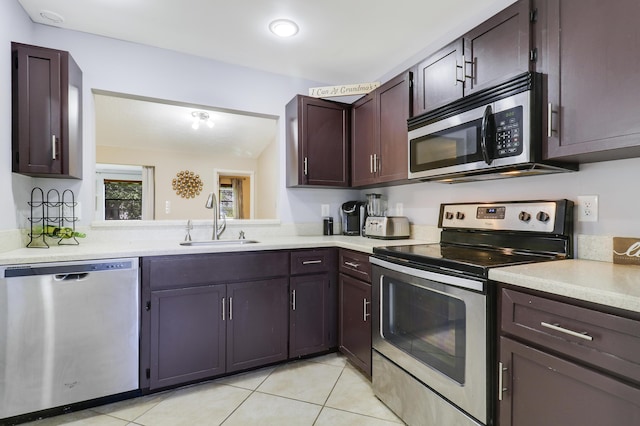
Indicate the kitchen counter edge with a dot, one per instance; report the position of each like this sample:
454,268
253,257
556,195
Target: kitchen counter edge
603,283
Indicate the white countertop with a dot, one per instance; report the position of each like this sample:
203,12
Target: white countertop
604,283
102,250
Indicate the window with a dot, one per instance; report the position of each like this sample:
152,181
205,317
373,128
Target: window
227,200
122,199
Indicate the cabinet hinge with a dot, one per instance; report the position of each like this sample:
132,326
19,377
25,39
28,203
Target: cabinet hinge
533,55
147,306
533,15
148,373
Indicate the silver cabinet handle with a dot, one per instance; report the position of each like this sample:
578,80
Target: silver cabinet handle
293,300
53,147
550,112
306,166
371,163
230,308
223,309
582,335
375,163
364,310
501,370
352,264
311,262
457,80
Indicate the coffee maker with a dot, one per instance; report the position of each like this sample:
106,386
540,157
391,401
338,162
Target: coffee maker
352,214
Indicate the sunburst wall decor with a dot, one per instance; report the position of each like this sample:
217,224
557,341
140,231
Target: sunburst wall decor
187,184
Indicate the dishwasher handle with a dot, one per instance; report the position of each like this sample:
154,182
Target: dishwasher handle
71,277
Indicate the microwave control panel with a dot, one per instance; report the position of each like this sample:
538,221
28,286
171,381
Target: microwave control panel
508,136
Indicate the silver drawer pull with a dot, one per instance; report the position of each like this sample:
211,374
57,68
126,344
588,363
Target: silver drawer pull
352,264
311,262
557,327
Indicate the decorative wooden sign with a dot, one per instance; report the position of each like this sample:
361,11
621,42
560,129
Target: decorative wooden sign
344,90
626,251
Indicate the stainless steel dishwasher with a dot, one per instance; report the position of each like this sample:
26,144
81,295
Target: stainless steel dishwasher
68,333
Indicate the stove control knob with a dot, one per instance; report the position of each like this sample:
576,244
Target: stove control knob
524,216
543,217
459,215
448,215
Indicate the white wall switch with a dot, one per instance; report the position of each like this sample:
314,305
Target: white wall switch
167,207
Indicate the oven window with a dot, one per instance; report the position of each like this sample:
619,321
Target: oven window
457,145
428,325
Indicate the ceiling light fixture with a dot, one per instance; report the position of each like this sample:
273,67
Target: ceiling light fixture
283,28
199,116
53,17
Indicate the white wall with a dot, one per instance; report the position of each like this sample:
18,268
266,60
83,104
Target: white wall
117,66
14,25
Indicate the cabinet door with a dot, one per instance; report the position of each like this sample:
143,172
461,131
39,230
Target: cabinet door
439,79
498,49
317,142
257,323
37,126
363,141
394,106
355,321
309,324
594,95
542,389
187,335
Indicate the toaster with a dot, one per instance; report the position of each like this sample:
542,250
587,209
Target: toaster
387,227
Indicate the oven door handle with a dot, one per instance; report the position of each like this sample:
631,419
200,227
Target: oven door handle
465,283
486,135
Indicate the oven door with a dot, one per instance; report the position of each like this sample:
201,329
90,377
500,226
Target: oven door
434,327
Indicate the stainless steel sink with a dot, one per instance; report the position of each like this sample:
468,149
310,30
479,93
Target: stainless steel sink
217,242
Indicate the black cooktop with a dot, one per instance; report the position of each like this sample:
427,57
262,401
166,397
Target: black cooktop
466,260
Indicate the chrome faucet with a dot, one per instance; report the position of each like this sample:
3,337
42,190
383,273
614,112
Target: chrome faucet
212,203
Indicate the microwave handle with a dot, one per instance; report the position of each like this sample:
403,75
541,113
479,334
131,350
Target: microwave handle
487,134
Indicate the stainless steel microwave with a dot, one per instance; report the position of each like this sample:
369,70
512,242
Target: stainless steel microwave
495,133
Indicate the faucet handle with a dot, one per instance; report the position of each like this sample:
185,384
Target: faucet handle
188,229
241,236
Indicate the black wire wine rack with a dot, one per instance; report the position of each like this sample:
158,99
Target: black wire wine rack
51,213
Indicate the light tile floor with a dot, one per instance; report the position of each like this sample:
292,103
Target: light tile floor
320,391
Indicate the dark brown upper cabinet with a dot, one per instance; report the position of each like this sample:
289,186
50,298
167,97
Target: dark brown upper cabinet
46,112
317,138
494,51
592,56
379,137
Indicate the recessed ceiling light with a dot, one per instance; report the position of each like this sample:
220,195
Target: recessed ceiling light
283,28
52,17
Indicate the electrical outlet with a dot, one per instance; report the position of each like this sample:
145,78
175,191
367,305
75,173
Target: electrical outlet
399,209
587,208
167,207
325,210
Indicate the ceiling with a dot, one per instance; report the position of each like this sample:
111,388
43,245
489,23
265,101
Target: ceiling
340,41
152,126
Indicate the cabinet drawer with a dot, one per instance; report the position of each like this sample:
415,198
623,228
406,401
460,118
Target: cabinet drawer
312,261
355,264
166,272
605,341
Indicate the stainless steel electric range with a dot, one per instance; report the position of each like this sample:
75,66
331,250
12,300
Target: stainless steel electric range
434,307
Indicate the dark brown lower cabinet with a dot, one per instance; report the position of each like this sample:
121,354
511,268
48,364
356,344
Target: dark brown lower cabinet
309,324
355,321
256,323
543,389
206,331
187,335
